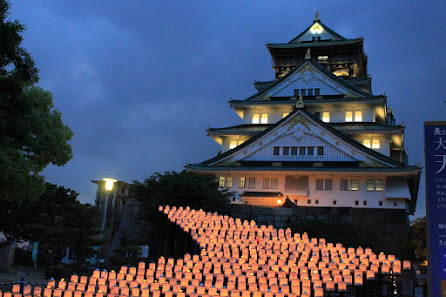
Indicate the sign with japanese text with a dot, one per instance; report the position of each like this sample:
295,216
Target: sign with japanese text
435,157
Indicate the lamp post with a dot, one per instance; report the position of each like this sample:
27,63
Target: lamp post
108,187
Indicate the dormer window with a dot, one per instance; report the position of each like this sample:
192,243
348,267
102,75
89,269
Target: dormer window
326,116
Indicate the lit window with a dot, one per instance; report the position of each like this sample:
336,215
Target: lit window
266,182
229,182
341,72
344,184
251,182
255,118
232,144
349,116
285,114
274,183
326,116
264,119
276,151
358,116
242,182
240,142
375,185
221,182
375,143
319,184
379,185
366,143
322,58
354,184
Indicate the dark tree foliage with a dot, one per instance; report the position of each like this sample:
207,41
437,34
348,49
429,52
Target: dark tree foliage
33,134
57,220
180,189
418,239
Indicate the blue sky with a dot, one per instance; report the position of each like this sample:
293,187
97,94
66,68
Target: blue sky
139,81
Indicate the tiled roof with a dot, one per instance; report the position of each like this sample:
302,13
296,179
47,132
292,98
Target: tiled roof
327,72
365,126
285,168
252,129
313,44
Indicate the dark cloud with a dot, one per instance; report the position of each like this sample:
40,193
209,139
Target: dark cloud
139,81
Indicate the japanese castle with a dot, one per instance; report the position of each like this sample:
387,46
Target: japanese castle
316,134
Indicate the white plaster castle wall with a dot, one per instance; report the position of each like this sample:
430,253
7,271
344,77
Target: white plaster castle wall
325,198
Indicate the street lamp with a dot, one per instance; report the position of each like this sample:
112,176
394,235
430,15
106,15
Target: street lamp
109,183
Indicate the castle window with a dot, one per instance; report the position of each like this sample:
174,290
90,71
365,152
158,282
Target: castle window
349,116
335,202
380,203
319,184
256,118
379,185
320,150
264,119
276,151
229,182
375,144
358,116
354,184
296,93
294,150
242,182
266,182
232,144
395,204
364,203
317,115
251,182
309,201
328,184
310,92
310,151
344,184
285,114
375,185
286,150
326,116
366,143
316,201
274,183
322,58
303,92
302,151
356,202
317,92
221,182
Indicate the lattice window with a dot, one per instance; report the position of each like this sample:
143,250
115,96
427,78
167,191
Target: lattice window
344,184
300,84
242,182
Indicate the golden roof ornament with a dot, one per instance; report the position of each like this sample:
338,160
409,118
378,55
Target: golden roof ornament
317,16
308,55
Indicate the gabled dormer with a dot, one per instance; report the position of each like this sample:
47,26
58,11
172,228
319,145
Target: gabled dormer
342,56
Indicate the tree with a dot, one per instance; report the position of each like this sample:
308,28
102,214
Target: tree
33,134
57,220
418,241
180,189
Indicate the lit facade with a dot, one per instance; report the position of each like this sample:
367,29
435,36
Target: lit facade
316,134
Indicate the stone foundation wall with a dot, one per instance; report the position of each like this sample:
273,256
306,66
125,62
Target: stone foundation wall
391,224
